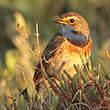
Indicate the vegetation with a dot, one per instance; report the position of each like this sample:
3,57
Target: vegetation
19,53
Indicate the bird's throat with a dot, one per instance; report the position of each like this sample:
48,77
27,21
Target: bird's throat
79,43
77,39
74,37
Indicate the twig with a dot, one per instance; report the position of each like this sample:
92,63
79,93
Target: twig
21,68
24,77
19,29
75,95
14,103
42,68
107,54
45,87
80,100
27,98
13,99
84,105
85,66
37,37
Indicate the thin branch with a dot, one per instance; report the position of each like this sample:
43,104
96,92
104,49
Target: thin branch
107,54
19,29
23,74
80,100
75,95
84,105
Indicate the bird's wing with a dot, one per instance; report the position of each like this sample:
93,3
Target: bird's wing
49,53
53,46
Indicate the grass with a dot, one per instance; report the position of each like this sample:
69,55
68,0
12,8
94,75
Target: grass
89,89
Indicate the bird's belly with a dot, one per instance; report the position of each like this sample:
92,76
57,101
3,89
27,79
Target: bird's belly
65,61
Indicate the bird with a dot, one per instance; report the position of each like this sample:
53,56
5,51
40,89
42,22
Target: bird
65,48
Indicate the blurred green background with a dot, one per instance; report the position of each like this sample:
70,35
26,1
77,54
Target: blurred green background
16,59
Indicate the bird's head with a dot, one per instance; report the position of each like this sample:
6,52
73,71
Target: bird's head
74,27
73,22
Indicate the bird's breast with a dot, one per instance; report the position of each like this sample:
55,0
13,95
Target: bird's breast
84,50
67,56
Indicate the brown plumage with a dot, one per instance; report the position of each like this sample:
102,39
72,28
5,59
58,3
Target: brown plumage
64,49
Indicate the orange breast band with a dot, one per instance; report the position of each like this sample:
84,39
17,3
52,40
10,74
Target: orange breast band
83,50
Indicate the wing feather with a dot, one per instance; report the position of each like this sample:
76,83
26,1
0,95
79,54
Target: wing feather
49,53
53,46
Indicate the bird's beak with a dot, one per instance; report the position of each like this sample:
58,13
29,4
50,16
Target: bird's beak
59,21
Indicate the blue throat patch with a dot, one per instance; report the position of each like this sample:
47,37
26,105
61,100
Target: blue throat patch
67,31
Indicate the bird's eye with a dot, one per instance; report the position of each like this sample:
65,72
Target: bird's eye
71,20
